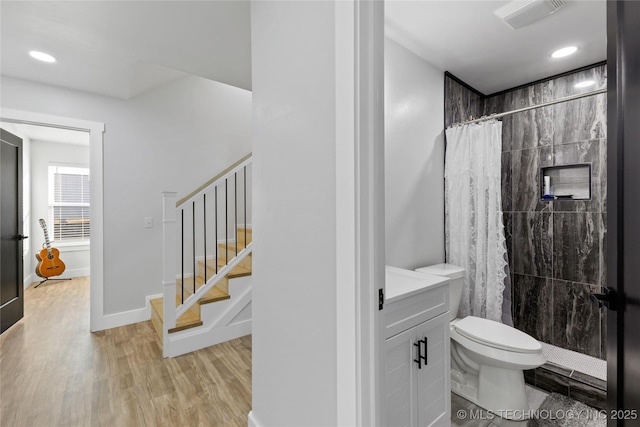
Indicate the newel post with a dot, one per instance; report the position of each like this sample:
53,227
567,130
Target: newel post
169,259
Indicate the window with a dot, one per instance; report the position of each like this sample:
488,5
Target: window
69,202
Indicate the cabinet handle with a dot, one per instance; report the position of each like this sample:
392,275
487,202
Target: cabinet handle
420,357
424,357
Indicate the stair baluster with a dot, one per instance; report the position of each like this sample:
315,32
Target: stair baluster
203,280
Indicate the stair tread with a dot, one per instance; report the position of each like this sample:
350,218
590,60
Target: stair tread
214,294
191,318
237,271
186,321
188,290
232,246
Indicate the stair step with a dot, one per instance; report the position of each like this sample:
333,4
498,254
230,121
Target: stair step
231,248
186,321
241,235
220,292
188,289
241,270
214,294
228,251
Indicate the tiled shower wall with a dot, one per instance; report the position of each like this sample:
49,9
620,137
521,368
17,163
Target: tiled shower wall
556,249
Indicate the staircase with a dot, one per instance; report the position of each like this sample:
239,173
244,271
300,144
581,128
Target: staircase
207,251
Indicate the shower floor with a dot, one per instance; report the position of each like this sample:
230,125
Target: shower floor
576,362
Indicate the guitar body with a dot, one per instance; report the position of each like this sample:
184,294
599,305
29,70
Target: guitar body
49,264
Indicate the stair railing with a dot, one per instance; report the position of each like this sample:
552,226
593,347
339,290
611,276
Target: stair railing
210,214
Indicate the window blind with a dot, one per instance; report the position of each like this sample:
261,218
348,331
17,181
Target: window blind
69,202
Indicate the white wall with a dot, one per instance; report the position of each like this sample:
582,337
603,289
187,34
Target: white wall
294,266
414,159
172,138
43,153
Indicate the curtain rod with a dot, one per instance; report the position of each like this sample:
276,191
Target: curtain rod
544,104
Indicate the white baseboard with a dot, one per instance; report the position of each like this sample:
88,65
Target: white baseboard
251,420
68,274
196,340
223,321
137,315
31,279
77,272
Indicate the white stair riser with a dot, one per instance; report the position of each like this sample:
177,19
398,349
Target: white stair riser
220,320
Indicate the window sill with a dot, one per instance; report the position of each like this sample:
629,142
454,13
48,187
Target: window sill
73,246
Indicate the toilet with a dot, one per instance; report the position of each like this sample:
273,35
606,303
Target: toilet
487,357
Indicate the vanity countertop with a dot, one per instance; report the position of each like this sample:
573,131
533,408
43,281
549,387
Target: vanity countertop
402,283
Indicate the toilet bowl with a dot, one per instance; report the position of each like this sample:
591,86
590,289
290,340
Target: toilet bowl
487,357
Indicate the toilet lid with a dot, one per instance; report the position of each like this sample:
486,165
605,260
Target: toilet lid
496,335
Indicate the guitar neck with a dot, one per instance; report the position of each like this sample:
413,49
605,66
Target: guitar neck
46,236
47,242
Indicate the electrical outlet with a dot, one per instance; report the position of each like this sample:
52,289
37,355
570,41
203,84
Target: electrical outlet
148,222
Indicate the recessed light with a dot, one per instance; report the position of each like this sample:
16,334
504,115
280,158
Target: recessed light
41,56
585,83
565,51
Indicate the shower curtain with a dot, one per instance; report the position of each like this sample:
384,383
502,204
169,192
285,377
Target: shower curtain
473,216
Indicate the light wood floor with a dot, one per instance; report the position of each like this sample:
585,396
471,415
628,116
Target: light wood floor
54,372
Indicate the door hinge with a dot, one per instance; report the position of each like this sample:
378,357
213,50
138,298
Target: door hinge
380,299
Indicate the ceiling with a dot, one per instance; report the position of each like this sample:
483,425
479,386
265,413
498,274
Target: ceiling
124,48
468,40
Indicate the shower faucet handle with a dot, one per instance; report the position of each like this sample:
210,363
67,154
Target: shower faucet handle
608,298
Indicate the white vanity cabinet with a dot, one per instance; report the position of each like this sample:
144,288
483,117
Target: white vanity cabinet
417,364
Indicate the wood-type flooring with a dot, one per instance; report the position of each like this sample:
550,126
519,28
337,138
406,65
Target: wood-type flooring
54,372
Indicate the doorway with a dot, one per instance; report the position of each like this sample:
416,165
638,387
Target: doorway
11,231
95,130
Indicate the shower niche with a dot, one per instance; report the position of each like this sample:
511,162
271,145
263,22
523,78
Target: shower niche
566,182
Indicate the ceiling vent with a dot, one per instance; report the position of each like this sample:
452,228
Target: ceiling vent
520,13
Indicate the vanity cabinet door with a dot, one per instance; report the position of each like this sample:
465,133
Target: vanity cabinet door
400,380
433,387
417,393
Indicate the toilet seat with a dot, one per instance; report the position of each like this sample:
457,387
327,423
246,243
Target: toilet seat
497,335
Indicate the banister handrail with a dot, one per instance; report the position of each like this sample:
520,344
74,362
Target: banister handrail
204,187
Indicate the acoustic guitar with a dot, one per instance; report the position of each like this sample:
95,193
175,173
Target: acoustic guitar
49,262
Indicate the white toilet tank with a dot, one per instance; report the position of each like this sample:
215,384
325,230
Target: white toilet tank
456,274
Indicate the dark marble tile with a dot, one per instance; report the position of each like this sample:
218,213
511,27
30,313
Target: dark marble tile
579,120
576,247
507,123
506,187
494,105
507,219
552,382
534,127
530,376
565,85
460,103
588,395
525,170
581,152
532,243
557,369
589,380
507,133
532,306
603,249
603,335
603,175
576,322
